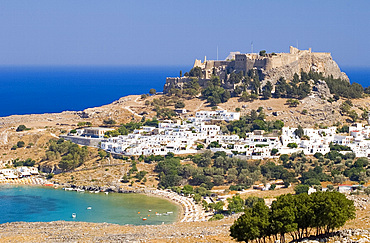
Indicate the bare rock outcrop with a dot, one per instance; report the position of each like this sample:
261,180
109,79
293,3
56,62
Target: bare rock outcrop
307,62
322,90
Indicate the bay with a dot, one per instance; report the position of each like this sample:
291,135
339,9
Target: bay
40,204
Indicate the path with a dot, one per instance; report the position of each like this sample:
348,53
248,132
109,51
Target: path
4,136
130,110
197,109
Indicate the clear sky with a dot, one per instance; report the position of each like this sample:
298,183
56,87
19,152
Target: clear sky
174,32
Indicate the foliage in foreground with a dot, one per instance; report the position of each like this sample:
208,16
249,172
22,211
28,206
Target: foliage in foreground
295,215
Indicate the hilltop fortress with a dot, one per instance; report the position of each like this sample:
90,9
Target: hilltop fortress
270,66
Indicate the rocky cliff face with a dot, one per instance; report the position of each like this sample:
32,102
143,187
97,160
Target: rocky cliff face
306,62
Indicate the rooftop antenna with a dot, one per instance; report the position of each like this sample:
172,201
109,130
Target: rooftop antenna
252,46
217,53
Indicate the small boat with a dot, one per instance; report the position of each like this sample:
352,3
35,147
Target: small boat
88,208
150,210
80,190
96,191
74,215
68,189
169,212
144,219
106,193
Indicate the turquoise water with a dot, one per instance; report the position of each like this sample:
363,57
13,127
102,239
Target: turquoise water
33,204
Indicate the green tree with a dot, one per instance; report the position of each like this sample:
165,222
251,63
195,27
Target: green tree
292,102
152,91
179,104
20,144
21,128
299,189
262,53
246,227
283,212
252,200
292,145
331,210
236,204
299,131
109,122
353,115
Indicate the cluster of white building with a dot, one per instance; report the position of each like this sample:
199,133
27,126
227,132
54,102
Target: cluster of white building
183,137
175,137
318,140
18,172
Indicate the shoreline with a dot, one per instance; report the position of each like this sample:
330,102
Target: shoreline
189,211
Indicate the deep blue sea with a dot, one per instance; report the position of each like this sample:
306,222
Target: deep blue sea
35,204
29,90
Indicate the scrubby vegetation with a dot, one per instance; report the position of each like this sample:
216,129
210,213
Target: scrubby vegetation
249,87
69,155
28,162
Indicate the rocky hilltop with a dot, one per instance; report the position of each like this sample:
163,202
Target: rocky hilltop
269,66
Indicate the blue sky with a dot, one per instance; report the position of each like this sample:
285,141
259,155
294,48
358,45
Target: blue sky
174,32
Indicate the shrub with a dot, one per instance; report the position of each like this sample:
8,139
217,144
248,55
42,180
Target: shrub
20,144
179,105
216,217
21,128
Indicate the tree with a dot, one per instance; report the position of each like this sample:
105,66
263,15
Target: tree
297,215
292,102
236,204
331,210
152,91
21,128
301,189
299,132
179,104
353,115
262,53
367,191
20,144
266,93
283,212
109,122
246,227
252,200
292,145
